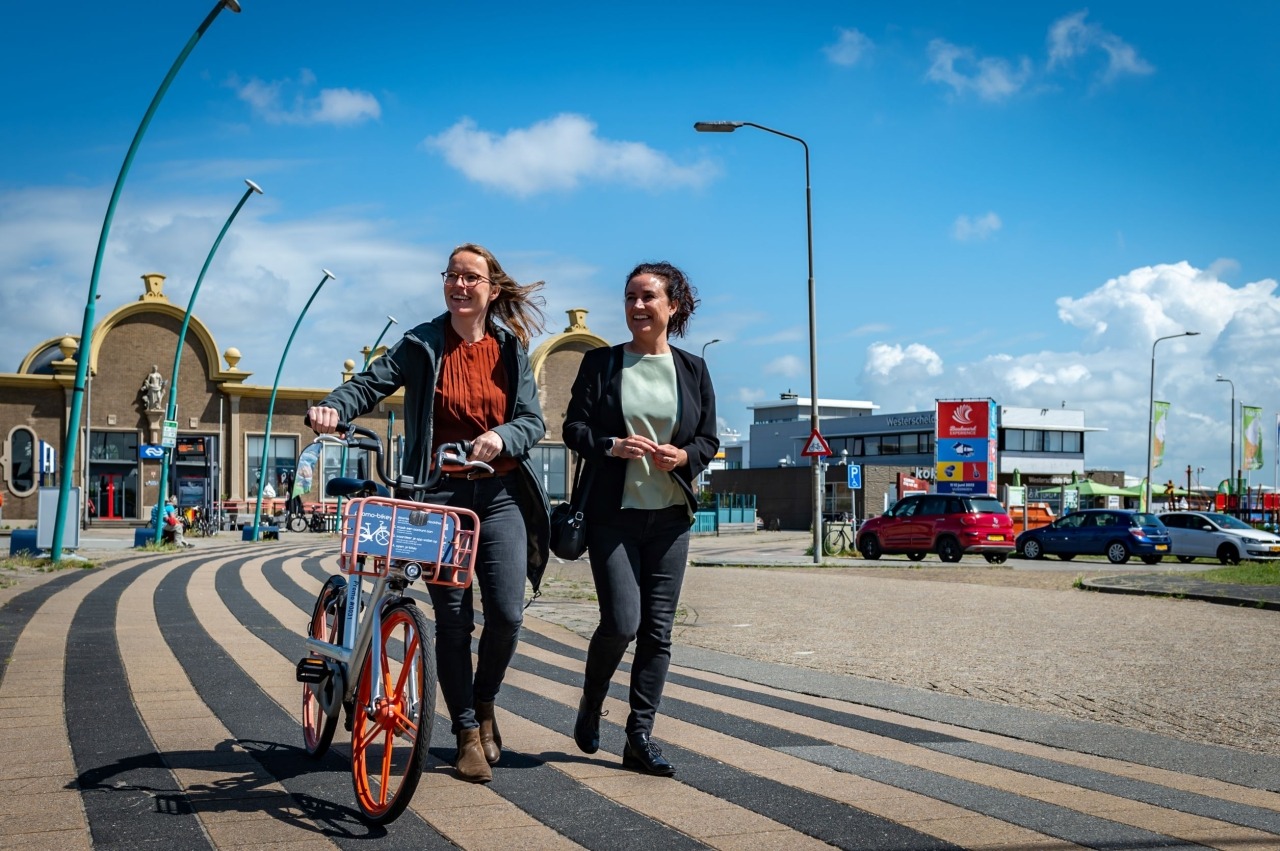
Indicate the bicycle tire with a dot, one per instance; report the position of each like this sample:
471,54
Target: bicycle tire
389,749
835,542
297,523
327,619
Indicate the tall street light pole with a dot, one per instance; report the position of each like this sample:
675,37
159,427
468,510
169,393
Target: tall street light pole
171,410
815,465
368,358
86,332
708,343
271,406
1151,406
1231,465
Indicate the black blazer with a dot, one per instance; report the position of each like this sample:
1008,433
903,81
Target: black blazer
595,414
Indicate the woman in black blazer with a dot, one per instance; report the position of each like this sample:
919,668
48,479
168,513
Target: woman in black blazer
644,415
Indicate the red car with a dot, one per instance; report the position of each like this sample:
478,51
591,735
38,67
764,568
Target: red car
950,525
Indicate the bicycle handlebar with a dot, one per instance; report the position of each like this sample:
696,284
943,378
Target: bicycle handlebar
449,458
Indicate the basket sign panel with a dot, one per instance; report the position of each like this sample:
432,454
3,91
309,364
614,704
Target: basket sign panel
385,531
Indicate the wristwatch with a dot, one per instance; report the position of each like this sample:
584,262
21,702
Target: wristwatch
608,447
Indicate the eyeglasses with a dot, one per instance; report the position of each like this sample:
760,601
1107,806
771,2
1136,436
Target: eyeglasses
466,279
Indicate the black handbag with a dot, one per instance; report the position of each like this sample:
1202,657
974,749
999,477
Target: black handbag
568,529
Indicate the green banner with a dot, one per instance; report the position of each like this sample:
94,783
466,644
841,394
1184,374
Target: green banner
1251,428
1158,426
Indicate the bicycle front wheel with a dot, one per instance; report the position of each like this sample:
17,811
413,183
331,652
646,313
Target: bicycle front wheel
389,744
297,523
326,624
834,543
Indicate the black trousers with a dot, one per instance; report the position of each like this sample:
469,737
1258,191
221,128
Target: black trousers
638,562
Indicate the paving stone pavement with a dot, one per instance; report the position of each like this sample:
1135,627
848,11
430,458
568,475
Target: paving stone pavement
151,703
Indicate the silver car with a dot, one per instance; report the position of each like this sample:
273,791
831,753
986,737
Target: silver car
1206,534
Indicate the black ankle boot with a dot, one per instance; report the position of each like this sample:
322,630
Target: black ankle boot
586,730
641,754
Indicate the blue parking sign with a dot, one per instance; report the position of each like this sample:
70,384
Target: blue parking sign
855,476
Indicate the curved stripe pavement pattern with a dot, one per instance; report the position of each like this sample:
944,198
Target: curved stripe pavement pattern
152,704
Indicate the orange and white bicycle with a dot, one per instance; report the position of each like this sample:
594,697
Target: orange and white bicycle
369,647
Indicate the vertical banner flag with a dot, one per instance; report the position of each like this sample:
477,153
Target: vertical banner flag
1251,428
1159,425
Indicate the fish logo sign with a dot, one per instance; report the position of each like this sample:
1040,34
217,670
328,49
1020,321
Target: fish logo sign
963,414
964,450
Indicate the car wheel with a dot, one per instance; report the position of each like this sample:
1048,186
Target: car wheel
1151,559
1031,549
1066,556
916,556
870,548
1228,554
949,550
1117,552
1186,559
996,558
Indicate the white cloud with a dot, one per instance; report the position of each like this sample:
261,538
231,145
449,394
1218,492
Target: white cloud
1071,37
915,359
288,102
788,366
850,48
990,78
966,229
559,154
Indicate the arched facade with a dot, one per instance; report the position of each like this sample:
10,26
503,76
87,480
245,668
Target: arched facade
221,417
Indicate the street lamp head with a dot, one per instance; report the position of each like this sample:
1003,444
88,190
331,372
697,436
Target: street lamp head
233,5
392,319
1191,333
255,187
716,126
328,274
1220,378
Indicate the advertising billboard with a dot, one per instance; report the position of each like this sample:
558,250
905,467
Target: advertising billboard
965,446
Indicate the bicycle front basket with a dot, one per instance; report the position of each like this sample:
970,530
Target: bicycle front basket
379,531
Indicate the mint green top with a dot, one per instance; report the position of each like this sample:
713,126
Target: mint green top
650,407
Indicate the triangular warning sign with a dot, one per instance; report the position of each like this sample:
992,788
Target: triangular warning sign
816,447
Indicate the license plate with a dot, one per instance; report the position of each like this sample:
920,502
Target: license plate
1161,547
1275,549
995,537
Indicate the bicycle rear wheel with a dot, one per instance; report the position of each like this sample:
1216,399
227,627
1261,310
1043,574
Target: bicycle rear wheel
389,746
297,523
326,624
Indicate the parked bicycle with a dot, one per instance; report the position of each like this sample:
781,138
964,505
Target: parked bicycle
305,521
838,537
201,522
388,700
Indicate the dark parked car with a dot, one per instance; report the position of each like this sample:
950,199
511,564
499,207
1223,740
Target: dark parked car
950,525
1207,534
1112,532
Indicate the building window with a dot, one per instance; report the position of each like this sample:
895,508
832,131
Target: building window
871,445
889,444
282,456
20,469
113,446
1073,441
1031,440
550,463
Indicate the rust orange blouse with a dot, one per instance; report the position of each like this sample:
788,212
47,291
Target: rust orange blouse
473,394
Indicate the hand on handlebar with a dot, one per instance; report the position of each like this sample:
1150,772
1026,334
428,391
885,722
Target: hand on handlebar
486,447
322,420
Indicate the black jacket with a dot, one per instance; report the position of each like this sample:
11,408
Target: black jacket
595,414
413,363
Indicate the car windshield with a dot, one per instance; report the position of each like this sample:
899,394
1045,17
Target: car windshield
1146,520
983,505
1226,521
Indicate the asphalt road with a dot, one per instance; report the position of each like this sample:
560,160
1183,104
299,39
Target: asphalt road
151,704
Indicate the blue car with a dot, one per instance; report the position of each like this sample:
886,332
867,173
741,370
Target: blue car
1112,532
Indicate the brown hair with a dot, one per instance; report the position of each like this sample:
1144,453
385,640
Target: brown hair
516,305
679,291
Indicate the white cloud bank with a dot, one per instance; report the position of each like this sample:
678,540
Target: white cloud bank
851,47
1071,37
559,154
1107,375
288,102
989,77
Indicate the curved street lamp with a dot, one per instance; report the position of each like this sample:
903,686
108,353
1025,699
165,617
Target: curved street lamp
729,127
171,410
708,343
1151,406
271,406
1231,464
86,332
391,320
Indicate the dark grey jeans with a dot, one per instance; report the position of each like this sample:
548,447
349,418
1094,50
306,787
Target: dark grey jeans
638,563
501,564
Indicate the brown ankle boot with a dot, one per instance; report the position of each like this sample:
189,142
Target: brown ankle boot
490,738
470,762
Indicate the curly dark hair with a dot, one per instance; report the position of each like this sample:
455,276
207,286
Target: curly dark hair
516,305
682,294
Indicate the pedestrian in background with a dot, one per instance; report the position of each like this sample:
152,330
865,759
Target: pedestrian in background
644,415
466,376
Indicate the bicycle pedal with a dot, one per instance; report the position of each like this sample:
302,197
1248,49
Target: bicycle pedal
312,670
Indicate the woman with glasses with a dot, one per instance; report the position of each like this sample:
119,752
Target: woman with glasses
466,376
643,414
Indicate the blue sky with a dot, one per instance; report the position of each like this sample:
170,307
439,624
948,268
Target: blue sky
1009,199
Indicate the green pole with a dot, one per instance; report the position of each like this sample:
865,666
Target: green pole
86,332
391,320
171,410
266,438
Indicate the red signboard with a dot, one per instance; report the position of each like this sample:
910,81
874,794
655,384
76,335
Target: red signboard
965,418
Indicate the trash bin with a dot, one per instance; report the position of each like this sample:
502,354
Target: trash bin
143,536
23,542
265,533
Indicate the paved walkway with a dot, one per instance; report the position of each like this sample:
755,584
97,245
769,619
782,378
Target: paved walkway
151,703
